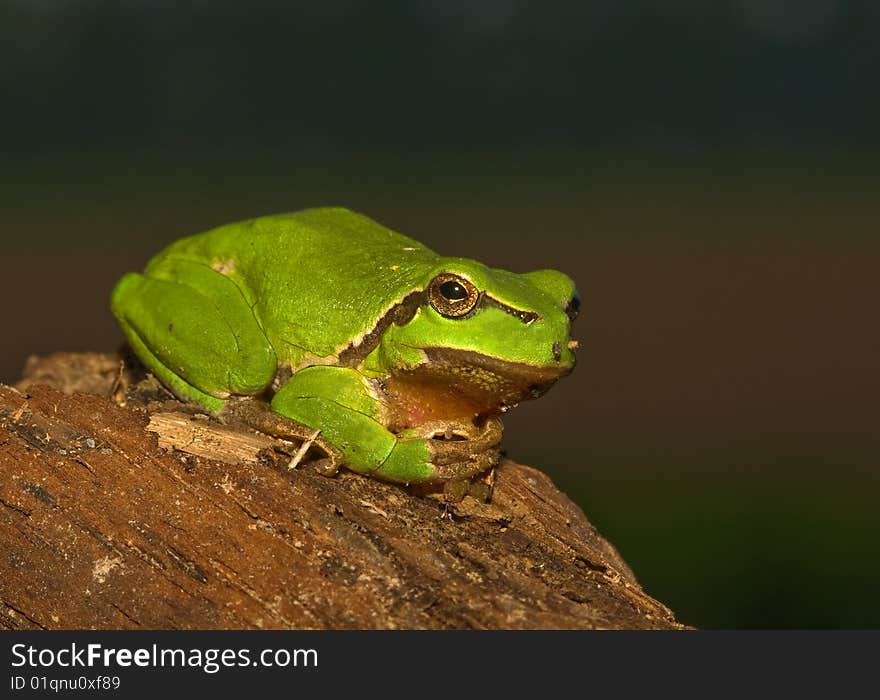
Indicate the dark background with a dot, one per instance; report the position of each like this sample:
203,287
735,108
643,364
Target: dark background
706,171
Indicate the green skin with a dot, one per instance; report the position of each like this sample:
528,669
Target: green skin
332,315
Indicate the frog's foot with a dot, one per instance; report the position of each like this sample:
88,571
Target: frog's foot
455,490
467,469
459,452
456,442
258,415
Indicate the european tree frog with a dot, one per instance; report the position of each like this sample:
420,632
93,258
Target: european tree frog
401,358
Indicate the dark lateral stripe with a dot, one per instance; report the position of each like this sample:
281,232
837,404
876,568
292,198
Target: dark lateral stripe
526,317
399,314
402,313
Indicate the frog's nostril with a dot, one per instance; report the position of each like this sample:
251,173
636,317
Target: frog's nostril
557,351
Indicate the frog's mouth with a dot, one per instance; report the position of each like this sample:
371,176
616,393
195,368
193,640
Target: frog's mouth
461,382
510,381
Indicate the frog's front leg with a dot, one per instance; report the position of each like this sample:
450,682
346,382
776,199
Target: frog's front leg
339,402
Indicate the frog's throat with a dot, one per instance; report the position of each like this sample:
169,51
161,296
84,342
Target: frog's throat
491,384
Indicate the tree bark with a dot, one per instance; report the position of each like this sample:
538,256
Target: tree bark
150,515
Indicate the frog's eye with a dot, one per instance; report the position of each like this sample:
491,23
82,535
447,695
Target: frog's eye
574,306
452,296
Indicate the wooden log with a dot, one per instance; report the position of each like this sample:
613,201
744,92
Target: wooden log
150,516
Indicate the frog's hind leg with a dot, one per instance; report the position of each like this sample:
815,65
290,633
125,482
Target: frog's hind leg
193,328
178,386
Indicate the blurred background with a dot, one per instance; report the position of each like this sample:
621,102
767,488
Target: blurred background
706,171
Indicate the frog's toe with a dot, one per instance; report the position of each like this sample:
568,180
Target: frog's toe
328,466
455,490
466,469
480,490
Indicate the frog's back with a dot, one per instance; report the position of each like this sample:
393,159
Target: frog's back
311,234
315,278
